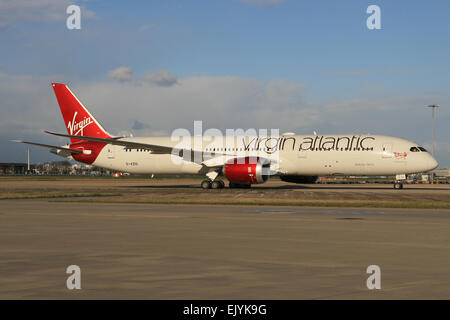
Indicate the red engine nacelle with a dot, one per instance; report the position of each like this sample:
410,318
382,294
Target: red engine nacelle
248,170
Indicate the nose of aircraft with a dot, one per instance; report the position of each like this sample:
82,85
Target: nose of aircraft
432,163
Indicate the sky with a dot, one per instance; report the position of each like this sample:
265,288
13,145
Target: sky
146,68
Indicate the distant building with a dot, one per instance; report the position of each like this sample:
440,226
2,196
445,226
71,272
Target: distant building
13,168
52,168
445,172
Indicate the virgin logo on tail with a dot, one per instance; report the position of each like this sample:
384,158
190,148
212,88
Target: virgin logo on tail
76,128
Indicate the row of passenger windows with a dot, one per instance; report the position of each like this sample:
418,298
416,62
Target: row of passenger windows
417,149
412,149
137,150
343,149
316,149
254,149
228,149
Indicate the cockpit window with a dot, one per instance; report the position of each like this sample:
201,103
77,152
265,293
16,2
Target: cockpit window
422,149
414,149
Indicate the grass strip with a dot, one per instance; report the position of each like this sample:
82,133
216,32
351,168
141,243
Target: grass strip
65,195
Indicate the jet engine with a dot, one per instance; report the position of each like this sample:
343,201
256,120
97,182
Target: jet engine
246,171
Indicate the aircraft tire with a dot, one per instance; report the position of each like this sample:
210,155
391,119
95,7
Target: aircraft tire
206,184
216,184
398,186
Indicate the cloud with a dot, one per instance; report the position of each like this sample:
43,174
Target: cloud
401,70
349,73
163,78
264,2
364,72
39,11
146,27
121,74
137,125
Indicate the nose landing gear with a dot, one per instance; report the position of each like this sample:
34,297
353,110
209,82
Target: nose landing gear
398,185
399,179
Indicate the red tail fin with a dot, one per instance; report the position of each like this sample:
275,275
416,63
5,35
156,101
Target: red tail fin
77,118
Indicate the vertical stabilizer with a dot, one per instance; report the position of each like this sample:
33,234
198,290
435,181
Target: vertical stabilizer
77,118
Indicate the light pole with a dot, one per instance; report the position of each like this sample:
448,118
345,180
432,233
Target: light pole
433,108
28,162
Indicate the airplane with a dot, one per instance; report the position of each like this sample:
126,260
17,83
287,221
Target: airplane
247,160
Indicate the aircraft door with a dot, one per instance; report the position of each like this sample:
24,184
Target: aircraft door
111,151
386,150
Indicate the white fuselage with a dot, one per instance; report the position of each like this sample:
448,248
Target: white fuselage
291,154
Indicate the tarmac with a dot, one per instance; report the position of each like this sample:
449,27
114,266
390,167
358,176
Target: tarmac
148,251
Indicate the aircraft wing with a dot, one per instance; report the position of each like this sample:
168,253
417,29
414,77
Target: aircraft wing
51,147
155,149
208,160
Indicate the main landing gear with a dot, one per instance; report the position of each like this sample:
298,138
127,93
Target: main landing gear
219,184
216,184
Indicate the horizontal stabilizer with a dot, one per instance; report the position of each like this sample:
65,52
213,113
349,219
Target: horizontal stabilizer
50,147
115,141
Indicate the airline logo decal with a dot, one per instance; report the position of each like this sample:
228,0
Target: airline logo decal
76,128
347,143
400,155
